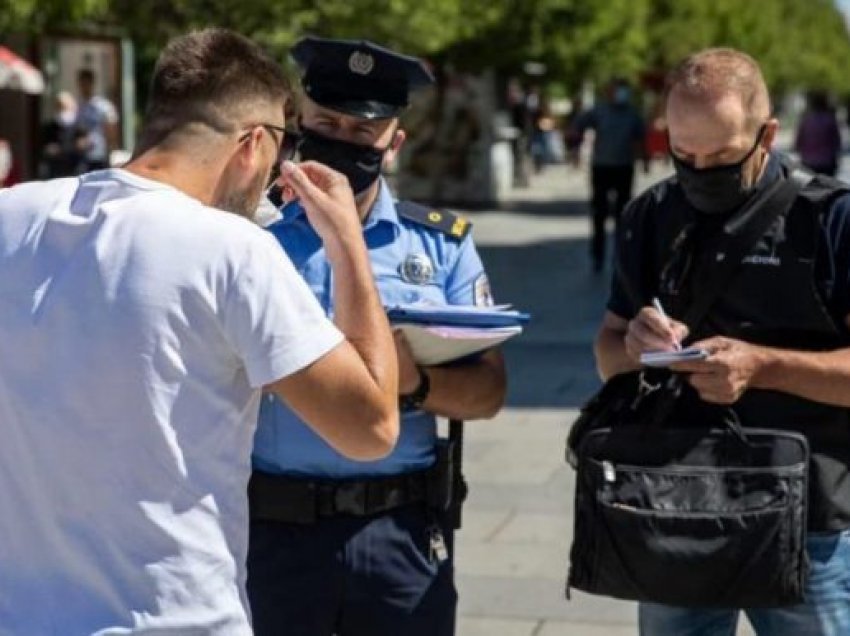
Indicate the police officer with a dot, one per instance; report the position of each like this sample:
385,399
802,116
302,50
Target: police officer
340,547
779,335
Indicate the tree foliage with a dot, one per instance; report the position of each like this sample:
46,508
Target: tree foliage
798,44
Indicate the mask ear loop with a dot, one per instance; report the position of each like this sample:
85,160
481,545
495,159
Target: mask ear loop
759,137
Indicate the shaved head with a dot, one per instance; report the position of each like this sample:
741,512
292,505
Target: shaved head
711,75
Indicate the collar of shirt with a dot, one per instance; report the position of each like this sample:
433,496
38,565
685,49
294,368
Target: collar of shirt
383,211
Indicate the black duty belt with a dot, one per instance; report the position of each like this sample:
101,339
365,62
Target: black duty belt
293,500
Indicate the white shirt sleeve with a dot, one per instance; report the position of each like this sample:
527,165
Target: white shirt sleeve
107,110
272,318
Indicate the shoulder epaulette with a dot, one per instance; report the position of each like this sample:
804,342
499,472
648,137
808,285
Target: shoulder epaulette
443,221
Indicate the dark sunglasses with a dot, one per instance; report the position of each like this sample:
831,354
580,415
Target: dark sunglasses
289,145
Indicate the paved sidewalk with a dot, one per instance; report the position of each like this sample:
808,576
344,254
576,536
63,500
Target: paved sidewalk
517,525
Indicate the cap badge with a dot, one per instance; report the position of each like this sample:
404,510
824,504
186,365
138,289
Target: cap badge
417,269
361,63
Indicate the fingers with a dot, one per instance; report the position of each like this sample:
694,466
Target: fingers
400,340
650,331
310,191
715,388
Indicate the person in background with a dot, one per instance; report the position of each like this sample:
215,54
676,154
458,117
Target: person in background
59,153
97,124
818,139
618,143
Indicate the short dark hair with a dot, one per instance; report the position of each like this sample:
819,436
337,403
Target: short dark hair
208,77
85,75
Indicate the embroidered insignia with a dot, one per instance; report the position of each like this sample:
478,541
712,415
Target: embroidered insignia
459,227
435,217
417,269
361,63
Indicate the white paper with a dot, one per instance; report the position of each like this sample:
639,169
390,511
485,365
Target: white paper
438,344
665,358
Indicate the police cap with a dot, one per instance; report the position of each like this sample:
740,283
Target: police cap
358,77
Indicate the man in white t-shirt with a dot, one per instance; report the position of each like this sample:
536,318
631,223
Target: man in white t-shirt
139,323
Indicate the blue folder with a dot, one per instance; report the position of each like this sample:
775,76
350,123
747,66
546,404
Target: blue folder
456,316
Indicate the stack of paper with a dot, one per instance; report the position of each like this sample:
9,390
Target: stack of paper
441,333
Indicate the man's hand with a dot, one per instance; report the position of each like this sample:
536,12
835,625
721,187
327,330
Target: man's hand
729,370
326,197
650,331
408,372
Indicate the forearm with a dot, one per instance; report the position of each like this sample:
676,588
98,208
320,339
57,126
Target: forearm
610,351
359,314
468,391
817,376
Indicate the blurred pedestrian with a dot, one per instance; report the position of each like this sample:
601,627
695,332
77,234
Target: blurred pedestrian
818,139
143,315
97,124
617,144
59,154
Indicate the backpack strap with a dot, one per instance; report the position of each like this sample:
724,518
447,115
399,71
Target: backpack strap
738,236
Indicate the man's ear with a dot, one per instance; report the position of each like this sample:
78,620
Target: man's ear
250,149
771,128
395,146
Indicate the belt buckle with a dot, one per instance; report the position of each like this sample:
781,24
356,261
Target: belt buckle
350,499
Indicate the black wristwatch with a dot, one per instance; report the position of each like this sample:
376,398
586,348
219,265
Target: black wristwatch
415,400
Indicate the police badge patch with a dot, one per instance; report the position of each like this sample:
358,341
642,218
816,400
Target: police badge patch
361,63
417,269
481,292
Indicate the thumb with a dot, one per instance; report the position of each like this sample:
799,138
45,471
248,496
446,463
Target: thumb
294,177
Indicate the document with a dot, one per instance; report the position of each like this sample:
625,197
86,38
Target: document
456,315
433,344
666,358
441,333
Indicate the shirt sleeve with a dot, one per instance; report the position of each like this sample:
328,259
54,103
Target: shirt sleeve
639,131
107,110
467,282
835,259
631,260
273,320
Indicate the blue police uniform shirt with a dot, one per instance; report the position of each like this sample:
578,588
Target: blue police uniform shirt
283,443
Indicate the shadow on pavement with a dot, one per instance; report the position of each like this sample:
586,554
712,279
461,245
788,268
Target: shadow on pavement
551,364
547,208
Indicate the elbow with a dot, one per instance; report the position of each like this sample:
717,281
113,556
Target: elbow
386,434
497,400
488,405
380,441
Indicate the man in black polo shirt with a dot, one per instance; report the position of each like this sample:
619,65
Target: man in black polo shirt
779,335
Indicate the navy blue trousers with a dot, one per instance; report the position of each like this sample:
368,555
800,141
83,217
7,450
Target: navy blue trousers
350,576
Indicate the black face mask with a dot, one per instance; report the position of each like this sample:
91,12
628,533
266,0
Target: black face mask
718,189
361,164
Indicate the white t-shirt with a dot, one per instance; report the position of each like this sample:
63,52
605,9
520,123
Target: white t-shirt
136,328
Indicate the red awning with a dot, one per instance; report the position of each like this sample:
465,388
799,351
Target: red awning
16,73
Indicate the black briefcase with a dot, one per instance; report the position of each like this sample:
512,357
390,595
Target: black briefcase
670,508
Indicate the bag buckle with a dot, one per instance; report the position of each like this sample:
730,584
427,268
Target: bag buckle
645,387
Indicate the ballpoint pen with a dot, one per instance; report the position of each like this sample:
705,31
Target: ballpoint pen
657,304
